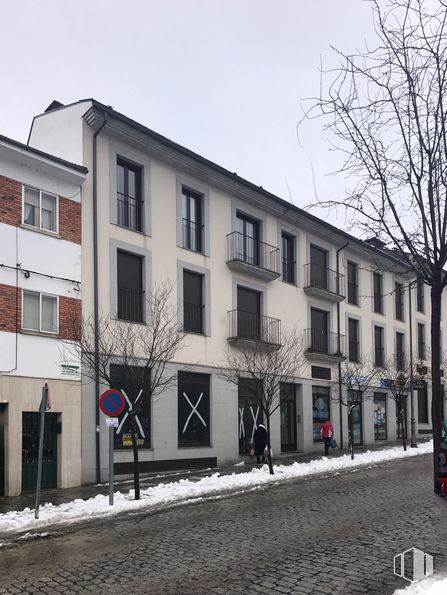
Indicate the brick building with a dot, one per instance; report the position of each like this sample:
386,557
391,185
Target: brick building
40,313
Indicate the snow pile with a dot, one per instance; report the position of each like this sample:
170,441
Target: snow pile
185,489
428,586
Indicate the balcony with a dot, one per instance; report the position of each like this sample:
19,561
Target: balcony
246,328
324,345
129,211
130,304
251,256
323,283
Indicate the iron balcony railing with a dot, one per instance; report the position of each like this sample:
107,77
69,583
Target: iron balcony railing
129,211
322,341
130,304
254,327
192,318
192,235
323,278
288,270
252,251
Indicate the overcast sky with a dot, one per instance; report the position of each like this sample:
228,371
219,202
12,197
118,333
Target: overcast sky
222,77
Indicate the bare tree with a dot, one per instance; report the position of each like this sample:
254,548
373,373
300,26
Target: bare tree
387,109
261,370
135,356
357,379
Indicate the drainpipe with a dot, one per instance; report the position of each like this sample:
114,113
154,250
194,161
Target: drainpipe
96,298
339,343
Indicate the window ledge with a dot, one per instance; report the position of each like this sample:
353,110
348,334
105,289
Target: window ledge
48,334
45,232
181,446
199,252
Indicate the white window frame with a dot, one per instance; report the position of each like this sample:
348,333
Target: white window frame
41,294
39,227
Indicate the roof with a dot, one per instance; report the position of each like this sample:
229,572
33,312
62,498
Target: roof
37,152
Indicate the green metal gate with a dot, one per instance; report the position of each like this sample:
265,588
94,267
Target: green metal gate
30,447
2,456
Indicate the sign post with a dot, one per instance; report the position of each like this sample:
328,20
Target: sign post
112,404
43,408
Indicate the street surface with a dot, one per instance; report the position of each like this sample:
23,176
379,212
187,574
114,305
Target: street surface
334,534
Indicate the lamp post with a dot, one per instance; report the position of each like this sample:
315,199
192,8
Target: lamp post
413,443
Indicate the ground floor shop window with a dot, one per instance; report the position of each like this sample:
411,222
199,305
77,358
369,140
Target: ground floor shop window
401,417
193,409
321,409
134,382
250,413
380,416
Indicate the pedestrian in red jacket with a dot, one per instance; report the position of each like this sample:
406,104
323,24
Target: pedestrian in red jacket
327,433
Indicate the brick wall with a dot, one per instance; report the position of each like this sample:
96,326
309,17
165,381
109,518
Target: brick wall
11,210
10,201
8,297
69,318
70,220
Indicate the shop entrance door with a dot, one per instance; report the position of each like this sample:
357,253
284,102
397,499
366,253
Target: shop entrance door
30,448
288,418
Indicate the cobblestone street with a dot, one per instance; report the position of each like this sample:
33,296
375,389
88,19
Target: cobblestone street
334,534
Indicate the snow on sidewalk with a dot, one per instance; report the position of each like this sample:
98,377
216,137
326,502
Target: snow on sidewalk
185,489
428,586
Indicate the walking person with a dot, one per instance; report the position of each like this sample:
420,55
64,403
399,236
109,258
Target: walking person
260,438
327,433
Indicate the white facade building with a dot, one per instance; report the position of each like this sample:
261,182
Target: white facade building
236,254
40,298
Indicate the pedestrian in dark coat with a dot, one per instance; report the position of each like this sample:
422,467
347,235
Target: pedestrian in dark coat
261,440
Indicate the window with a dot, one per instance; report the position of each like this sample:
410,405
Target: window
319,330
420,289
192,220
423,405
378,292
355,400
400,354
193,409
421,341
288,258
250,412
132,379
353,332
378,346
320,408
40,312
129,203
248,314
192,302
379,416
353,283
318,267
247,239
40,209
130,287
399,300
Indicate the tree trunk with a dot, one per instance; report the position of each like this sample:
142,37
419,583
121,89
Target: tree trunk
351,431
436,402
267,415
136,470
402,427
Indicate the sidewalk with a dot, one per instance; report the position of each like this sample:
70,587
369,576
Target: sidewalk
60,496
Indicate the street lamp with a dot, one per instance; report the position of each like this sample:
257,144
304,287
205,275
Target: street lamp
413,443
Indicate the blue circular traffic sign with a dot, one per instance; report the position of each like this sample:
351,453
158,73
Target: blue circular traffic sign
112,402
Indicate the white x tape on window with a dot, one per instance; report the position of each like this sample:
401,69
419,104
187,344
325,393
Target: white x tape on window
130,409
193,410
